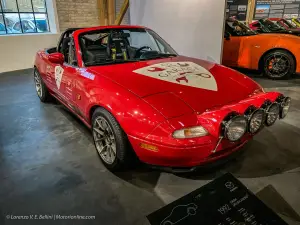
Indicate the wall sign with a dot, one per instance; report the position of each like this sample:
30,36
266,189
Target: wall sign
237,9
277,9
224,201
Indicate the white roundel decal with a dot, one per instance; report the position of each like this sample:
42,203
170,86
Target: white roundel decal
58,75
183,73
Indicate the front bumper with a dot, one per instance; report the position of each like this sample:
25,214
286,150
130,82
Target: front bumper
210,164
183,159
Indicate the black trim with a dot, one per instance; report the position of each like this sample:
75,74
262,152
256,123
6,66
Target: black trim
3,16
36,30
21,25
26,12
46,11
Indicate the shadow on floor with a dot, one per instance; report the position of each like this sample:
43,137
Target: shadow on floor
270,196
268,154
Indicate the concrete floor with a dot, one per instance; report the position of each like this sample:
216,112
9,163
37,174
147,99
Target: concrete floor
48,164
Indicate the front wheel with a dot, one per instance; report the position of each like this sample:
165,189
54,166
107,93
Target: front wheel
40,87
279,64
110,140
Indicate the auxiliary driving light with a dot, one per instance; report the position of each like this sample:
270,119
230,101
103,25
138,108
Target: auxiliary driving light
256,121
272,114
284,107
235,128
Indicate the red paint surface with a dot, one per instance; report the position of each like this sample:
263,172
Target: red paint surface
150,110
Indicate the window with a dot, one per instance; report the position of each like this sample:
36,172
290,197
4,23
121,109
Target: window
23,16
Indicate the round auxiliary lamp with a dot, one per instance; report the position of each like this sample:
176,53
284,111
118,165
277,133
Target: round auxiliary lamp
272,112
234,127
256,118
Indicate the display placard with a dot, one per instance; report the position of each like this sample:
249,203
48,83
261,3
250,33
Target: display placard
224,201
237,9
277,9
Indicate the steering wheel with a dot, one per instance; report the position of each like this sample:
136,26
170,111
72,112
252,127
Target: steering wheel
138,51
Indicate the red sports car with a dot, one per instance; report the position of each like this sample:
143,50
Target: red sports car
140,98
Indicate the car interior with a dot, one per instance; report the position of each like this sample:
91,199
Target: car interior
112,45
104,46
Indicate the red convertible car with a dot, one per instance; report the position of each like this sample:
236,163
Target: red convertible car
140,98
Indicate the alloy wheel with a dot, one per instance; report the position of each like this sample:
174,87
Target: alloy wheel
38,84
104,140
277,65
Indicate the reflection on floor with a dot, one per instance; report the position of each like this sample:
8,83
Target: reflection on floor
48,164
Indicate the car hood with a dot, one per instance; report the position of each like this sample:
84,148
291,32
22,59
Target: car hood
199,84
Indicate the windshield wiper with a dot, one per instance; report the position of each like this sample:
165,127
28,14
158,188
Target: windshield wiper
109,62
167,55
160,56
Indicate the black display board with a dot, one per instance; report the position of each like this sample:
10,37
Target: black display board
223,201
276,9
237,9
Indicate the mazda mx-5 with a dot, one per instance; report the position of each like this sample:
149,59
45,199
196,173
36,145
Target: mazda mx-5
141,99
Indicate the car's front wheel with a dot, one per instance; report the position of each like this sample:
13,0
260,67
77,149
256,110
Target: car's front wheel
40,87
110,140
279,64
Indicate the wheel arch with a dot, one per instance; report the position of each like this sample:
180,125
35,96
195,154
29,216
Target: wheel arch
92,110
261,60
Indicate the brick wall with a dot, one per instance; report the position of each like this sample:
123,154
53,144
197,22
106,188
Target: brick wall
82,13
77,13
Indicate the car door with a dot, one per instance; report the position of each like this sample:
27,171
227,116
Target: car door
65,76
60,78
231,51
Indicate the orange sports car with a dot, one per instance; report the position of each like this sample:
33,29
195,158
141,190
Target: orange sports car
276,55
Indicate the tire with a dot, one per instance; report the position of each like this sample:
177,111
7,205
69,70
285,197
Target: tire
41,89
123,153
278,64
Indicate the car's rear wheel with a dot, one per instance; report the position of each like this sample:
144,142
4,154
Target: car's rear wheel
40,87
110,140
279,64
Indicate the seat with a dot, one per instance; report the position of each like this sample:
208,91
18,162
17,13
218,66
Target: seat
117,48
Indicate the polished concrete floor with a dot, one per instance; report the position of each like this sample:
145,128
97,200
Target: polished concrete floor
48,164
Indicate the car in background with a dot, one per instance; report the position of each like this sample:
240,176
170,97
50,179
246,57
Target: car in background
142,100
2,29
14,26
268,26
274,55
296,21
42,25
27,26
284,24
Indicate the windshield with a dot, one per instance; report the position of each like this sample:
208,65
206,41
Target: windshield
237,28
270,25
122,45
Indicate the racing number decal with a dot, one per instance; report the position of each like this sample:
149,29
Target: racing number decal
183,73
58,75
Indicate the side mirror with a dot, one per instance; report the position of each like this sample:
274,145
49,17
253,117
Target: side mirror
227,35
57,58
